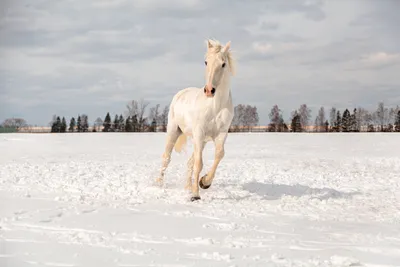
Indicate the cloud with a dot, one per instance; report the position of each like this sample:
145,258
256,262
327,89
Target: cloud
277,48
380,59
69,57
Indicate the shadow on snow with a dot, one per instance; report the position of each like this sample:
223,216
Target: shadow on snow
276,191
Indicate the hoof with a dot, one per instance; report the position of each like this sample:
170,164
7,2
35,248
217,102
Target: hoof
202,186
159,182
194,198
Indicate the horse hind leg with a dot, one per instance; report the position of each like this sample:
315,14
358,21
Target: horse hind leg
172,137
189,174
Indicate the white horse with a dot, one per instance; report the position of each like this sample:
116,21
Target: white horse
204,114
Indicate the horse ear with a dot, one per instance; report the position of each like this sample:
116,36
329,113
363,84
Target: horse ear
209,44
226,47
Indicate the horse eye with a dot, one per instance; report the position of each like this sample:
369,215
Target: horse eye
223,64
205,62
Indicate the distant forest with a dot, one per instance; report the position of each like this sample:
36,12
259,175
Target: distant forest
139,117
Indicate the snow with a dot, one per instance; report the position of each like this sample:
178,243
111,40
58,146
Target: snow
277,200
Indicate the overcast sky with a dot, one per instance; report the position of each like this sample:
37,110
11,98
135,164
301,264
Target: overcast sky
93,56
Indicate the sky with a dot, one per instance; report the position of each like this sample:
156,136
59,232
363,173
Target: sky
94,56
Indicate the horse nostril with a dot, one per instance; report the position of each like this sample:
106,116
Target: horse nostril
213,91
205,90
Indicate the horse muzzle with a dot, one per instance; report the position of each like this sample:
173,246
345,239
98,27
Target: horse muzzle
209,91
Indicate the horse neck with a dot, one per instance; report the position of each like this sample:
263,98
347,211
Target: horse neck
223,94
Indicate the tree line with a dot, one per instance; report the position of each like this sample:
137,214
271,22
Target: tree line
134,120
139,117
382,119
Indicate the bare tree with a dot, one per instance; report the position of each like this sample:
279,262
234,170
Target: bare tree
237,120
245,116
14,123
132,109
154,117
275,117
369,120
320,120
97,123
391,119
305,116
138,109
361,118
332,117
381,115
155,113
164,118
250,116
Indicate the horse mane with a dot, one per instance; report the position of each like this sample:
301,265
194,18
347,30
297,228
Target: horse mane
216,48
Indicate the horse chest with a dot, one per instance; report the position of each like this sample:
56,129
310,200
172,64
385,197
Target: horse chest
218,122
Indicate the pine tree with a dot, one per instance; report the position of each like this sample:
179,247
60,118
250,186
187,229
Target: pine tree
353,121
346,121
115,124
296,122
135,124
397,122
338,122
153,125
84,123
79,124
121,123
107,123
128,125
63,125
72,125
56,125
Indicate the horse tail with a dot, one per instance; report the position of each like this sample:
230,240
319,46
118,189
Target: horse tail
180,143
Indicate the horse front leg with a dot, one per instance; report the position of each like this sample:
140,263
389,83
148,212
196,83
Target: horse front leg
206,180
189,175
198,166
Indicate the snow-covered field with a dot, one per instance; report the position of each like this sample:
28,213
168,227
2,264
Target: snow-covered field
277,200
